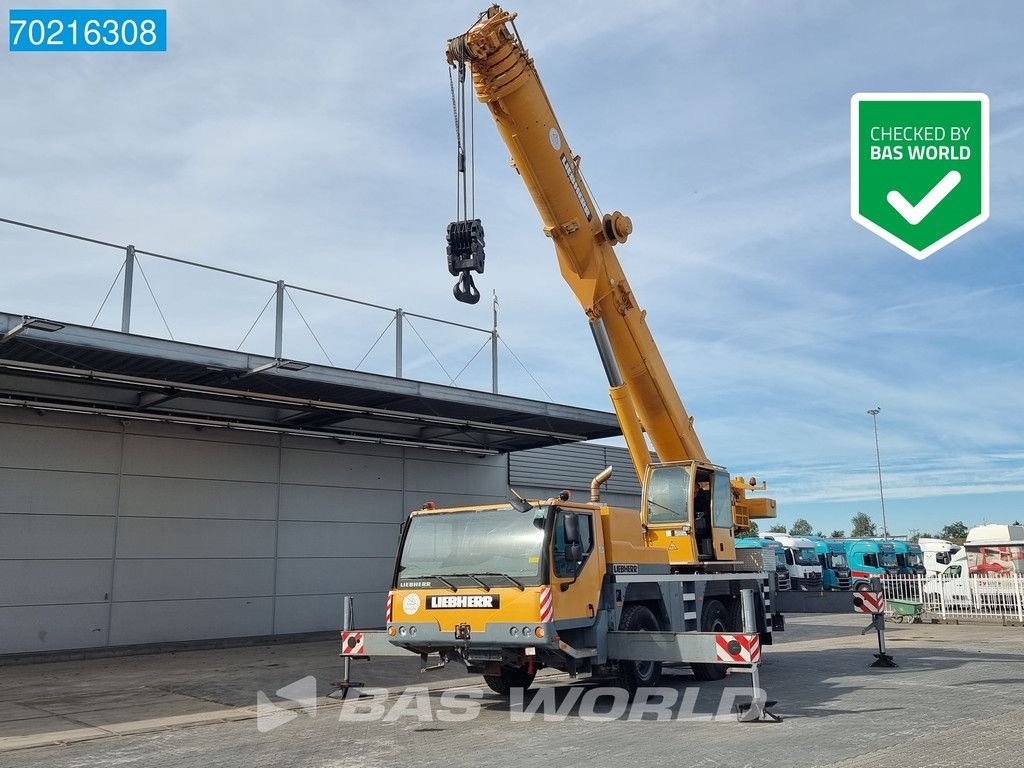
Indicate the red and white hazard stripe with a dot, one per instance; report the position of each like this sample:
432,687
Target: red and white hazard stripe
547,610
352,643
387,608
742,649
869,602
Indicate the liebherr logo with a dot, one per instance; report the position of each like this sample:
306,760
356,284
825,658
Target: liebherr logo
576,186
463,601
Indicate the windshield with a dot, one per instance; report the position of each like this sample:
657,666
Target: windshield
806,556
668,495
837,560
888,560
914,560
475,542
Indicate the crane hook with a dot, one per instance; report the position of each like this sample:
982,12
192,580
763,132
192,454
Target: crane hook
465,241
465,290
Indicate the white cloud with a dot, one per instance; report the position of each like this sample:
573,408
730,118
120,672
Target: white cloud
313,143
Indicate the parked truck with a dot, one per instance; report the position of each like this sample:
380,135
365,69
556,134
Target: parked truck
909,558
835,569
985,575
581,586
782,580
870,558
801,560
938,554
995,550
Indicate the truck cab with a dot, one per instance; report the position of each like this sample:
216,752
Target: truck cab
909,558
938,554
801,560
508,589
782,581
834,565
870,558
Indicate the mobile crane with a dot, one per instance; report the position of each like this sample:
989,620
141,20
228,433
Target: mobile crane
583,587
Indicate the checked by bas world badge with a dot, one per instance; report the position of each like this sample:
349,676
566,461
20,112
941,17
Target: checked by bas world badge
919,167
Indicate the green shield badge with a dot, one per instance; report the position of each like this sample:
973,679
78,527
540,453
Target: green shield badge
919,167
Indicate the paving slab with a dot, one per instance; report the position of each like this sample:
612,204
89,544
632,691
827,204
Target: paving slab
954,686
10,711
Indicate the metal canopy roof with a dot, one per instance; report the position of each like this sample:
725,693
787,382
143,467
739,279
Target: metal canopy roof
50,365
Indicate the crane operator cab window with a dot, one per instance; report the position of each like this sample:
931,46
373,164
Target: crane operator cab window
563,566
668,495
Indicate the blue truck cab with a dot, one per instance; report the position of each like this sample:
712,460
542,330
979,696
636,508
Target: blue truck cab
835,568
870,558
909,558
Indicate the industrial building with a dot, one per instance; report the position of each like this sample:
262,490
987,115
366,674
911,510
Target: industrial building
154,491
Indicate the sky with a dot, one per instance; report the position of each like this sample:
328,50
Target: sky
312,142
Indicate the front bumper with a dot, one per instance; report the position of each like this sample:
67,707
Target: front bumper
425,637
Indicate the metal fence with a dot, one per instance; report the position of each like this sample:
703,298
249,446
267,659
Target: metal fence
999,598
358,332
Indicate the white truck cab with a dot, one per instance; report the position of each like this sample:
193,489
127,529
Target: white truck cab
939,554
801,561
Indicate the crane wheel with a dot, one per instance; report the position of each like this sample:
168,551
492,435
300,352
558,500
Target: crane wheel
714,619
638,674
509,678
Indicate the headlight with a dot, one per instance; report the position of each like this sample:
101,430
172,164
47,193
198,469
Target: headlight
403,631
514,631
412,630
527,631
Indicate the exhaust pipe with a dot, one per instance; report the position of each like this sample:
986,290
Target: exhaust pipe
597,482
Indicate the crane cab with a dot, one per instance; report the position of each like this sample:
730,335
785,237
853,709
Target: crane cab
687,510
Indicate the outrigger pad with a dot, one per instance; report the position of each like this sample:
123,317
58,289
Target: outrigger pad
754,712
346,690
883,660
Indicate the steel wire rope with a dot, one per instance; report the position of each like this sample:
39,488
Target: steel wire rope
423,341
475,354
109,291
309,327
523,366
153,296
375,343
254,322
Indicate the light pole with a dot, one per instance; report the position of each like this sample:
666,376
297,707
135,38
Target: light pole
878,457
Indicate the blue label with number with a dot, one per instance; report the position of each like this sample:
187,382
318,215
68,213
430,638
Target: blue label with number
93,29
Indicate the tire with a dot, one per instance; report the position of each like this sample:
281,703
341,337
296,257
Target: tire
714,619
638,674
508,679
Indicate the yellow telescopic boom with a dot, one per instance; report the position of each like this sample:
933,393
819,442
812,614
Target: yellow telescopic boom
642,392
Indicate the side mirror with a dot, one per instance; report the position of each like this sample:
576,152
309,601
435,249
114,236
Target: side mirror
519,504
571,528
574,552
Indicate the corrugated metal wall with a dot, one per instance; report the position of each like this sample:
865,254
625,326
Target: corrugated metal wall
119,534
543,472
115,534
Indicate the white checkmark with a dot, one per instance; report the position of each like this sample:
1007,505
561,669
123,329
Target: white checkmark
916,213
